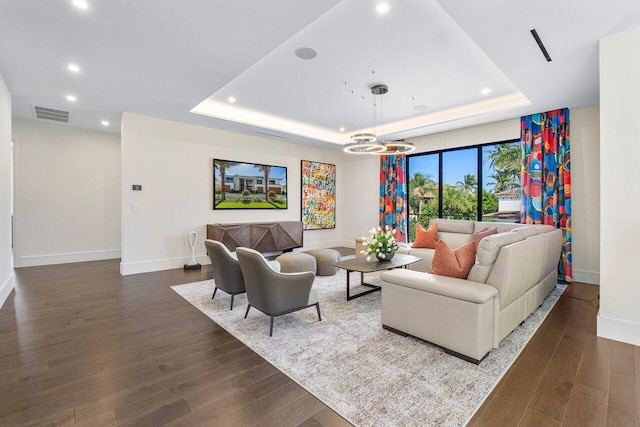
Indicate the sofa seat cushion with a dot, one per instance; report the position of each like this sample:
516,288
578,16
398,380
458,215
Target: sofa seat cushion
453,263
466,290
426,238
427,257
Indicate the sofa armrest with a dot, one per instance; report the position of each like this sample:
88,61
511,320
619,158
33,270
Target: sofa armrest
461,289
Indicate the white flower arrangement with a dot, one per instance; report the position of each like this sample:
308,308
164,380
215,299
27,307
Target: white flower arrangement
381,243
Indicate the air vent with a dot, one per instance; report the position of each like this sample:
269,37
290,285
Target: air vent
271,135
51,114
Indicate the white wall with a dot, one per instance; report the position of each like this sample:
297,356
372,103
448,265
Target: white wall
362,179
67,201
6,262
619,316
508,205
361,186
173,163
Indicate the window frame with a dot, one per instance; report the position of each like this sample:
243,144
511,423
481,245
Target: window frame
479,177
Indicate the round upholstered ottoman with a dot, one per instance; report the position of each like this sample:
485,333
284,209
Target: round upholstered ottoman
296,262
325,258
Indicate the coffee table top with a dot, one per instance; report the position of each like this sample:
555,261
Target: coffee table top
362,265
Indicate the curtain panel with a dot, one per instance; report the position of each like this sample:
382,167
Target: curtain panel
393,194
546,177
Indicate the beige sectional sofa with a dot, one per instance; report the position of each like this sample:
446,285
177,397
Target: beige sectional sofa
515,271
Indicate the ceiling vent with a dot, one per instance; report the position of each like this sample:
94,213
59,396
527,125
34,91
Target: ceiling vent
543,49
51,114
271,135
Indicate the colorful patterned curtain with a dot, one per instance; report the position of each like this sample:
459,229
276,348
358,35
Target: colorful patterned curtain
393,194
546,177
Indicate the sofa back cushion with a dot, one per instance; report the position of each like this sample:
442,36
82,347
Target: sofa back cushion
453,225
455,232
487,253
482,233
521,265
526,231
503,227
518,267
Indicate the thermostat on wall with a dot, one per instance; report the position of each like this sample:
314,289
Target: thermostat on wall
137,187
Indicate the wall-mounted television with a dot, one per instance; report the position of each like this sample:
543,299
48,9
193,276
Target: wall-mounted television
240,185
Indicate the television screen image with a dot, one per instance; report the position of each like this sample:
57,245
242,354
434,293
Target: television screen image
239,185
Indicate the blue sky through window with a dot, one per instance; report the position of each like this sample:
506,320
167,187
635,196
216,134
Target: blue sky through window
427,164
456,164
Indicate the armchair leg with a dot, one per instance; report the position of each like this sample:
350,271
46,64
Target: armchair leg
318,308
214,292
231,308
246,313
271,327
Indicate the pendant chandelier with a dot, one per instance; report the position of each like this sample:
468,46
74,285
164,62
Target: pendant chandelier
397,147
363,143
367,143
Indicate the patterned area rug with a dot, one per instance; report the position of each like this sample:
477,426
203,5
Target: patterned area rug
370,376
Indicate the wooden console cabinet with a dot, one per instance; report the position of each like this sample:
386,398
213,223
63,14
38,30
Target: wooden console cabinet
261,236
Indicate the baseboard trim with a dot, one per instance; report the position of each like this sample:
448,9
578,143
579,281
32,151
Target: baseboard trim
584,276
171,263
348,243
36,260
6,288
127,269
619,330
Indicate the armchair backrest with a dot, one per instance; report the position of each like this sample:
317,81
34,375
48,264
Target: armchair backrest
226,269
270,291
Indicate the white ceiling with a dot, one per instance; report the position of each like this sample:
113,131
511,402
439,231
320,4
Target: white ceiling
164,58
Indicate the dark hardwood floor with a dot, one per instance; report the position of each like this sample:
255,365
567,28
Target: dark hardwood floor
566,375
79,344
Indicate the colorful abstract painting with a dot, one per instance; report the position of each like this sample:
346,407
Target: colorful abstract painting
393,194
546,177
318,195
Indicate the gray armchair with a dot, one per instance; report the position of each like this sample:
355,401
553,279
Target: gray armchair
226,269
272,292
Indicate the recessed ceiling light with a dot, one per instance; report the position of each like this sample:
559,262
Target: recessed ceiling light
73,68
485,91
382,8
306,53
71,98
81,4
341,129
105,123
231,99
421,107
